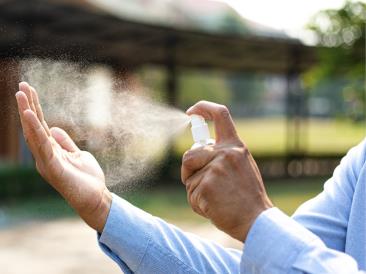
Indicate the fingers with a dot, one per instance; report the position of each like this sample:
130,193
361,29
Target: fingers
37,137
24,87
194,201
34,104
192,182
219,114
63,139
34,133
195,159
39,111
23,105
192,172
22,101
195,198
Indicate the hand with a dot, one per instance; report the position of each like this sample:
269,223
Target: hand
75,174
223,181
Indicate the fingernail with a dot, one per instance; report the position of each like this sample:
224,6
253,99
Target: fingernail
188,110
17,94
23,83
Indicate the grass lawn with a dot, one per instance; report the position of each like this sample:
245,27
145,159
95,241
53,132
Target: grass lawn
266,136
169,202
288,195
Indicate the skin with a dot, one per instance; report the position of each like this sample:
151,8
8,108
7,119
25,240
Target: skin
223,182
74,173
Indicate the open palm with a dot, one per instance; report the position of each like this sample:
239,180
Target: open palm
75,174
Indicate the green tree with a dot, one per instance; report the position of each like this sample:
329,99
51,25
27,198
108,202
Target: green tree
246,87
341,35
193,86
232,22
198,85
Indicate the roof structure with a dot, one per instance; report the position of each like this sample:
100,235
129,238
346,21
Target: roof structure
127,34
88,31
202,15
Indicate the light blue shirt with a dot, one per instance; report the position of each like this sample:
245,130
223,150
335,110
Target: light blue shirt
327,234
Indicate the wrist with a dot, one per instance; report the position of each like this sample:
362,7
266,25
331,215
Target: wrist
97,217
241,231
103,210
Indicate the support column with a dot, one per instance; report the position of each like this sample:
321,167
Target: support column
125,80
295,111
171,71
9,120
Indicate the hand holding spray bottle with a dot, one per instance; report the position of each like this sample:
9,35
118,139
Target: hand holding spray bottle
200,132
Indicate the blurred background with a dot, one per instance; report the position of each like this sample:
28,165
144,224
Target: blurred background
291,72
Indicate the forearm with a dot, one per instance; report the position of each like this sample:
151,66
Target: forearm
139,242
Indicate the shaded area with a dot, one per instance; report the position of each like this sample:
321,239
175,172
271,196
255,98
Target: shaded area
83,32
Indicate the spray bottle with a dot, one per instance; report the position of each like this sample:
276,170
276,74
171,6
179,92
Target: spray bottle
200,132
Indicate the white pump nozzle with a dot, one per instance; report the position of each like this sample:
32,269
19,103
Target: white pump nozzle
200,132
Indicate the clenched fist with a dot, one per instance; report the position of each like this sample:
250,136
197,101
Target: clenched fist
223,182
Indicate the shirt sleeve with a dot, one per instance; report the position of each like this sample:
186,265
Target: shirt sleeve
327,215
313,241
141,243
278,244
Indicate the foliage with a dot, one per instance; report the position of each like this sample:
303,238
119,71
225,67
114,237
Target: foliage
232,22
248,91
155,79
341,33
21,182
195,86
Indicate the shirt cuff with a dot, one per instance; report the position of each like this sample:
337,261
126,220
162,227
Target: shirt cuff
273,243
125,236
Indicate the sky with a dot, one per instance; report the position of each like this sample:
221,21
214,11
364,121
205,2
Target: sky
288,15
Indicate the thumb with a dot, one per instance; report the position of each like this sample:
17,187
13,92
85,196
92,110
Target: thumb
224,126
63,139
196,159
